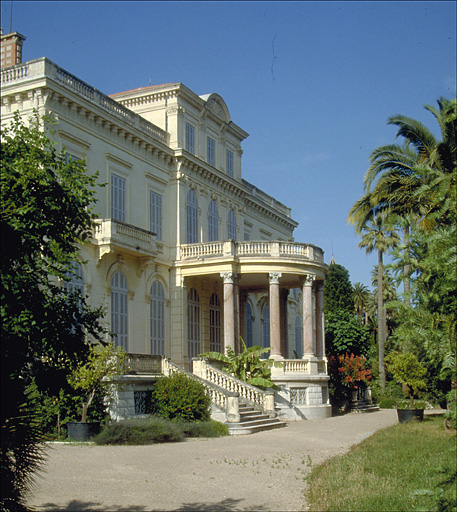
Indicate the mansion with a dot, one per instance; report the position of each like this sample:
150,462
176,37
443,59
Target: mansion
186,255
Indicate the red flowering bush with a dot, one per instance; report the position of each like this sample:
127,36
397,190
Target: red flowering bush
353,369
349,369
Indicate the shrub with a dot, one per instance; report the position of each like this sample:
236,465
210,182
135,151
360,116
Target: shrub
141,431
209,428
154,429
387,402
180,397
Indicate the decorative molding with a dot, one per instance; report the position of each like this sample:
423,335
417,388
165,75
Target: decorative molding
274,277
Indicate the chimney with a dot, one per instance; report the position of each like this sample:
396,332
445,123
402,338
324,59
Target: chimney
11,49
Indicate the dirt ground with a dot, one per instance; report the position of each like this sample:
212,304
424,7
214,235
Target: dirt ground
260,472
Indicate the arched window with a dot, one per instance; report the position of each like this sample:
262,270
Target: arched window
248,339
119,309
75,276
192,217
213,222
157,319
266,330
298,337
231,225
215,324
193,322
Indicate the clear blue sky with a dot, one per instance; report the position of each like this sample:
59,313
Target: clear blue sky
313,83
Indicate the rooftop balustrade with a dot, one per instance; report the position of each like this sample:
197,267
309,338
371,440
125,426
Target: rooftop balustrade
44,68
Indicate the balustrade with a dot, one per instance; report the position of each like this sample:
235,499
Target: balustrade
252,248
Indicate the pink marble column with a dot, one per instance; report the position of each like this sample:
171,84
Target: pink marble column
308,345
275,316
320,333
229,310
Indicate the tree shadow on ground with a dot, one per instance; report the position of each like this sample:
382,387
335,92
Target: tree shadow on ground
88,506
227,505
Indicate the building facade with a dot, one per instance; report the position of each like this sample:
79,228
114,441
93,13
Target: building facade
186,256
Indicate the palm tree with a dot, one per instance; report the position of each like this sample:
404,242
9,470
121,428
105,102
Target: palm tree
377,234
410,180
361,295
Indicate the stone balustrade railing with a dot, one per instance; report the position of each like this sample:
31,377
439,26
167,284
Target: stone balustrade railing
295,366
43,67
263,400
111,231
252,249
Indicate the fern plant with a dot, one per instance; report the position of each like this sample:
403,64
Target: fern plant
247,365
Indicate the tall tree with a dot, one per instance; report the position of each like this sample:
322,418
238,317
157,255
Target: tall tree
338,290
361,296
46,211
377,235
399,179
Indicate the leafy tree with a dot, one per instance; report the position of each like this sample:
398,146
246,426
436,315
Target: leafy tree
406,369
344,334
46,211
247,366
338,292
378,235
102,361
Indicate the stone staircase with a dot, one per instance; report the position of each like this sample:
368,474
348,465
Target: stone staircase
252,421
363,406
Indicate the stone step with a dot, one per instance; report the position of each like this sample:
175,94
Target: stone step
365,407
251,427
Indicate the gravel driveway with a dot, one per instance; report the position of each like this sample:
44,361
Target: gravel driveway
259,472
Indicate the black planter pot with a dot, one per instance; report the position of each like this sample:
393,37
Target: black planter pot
405,415
78,431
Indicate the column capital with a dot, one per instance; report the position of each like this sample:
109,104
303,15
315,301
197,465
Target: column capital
308,279
274,277
229,277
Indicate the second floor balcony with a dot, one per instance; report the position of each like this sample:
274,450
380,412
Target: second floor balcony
112,235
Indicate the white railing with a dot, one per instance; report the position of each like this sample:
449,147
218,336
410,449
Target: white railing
263,400
202,250
295,366
45,68
252,249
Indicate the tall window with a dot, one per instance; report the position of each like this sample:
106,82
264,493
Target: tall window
155,205
193,323
75,276
118,197
298,337
211,151
157,319
213,222
119,309
266,330
248,325
229,162
192,217
215,324
190,138
231,225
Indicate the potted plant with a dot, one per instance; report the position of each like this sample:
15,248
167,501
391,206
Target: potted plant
103,361
407,370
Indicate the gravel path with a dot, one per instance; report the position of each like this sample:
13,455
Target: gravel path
259,472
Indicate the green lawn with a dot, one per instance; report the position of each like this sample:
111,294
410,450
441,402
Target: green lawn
406,467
